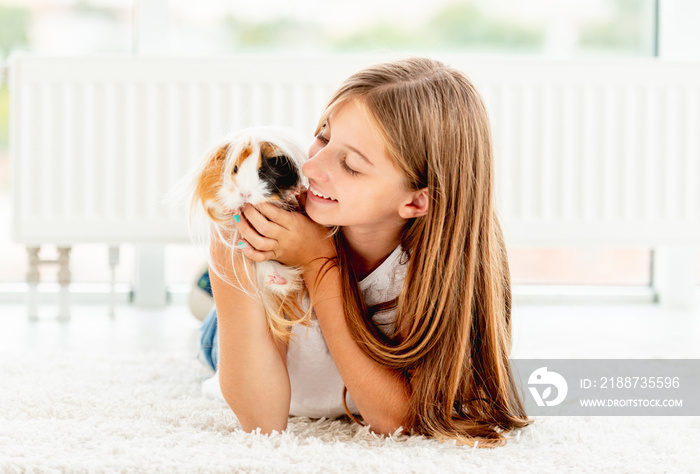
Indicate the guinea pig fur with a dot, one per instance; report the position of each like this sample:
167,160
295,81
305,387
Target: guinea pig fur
254,165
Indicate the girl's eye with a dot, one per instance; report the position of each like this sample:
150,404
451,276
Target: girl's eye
347,168
322,139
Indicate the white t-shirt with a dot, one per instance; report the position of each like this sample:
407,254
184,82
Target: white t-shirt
317,388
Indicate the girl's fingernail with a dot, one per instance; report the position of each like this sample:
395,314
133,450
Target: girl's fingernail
241,244
237,218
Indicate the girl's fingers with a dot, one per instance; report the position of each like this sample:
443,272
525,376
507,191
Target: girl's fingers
252,237
265,226
276,215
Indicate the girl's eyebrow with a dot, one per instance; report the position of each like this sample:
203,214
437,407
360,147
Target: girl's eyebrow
360,154
352,148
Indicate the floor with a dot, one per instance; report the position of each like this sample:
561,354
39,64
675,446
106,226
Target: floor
172,330
539,331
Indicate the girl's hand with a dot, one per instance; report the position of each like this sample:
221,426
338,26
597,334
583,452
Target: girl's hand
291,238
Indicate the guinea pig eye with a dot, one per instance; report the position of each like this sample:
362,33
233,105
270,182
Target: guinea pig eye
235,169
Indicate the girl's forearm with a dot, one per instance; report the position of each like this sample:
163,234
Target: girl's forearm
380,394
252,370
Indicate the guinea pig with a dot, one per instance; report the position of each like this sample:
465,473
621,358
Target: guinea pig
254,165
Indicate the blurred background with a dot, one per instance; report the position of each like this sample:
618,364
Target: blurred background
542,28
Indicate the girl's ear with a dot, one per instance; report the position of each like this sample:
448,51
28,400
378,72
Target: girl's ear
417,206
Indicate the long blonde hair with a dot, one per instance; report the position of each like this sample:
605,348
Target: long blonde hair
453,315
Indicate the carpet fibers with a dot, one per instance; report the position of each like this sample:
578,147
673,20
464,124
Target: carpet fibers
70,413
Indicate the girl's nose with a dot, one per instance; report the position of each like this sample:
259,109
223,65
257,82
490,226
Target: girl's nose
315,167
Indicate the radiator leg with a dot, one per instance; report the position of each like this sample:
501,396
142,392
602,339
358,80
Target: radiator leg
33,283
113,262
64,278
150,290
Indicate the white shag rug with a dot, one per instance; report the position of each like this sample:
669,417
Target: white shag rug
145,413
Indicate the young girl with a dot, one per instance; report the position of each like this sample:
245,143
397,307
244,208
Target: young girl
404,262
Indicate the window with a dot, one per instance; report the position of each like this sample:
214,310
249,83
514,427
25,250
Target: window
549,27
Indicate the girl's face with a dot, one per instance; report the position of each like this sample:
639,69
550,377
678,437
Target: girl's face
351,179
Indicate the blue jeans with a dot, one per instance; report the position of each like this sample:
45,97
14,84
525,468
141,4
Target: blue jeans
209,339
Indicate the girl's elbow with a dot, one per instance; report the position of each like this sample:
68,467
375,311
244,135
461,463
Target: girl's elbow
251,416
252,419
267,426
390,417
387,425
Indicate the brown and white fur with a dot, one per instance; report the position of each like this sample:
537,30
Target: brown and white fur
254,165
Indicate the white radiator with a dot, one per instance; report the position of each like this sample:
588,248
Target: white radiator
596,153
587,152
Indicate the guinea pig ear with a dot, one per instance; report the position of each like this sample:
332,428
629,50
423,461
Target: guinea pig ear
209,179
217,160
269,150
219,156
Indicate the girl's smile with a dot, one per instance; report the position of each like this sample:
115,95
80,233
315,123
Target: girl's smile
319,197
